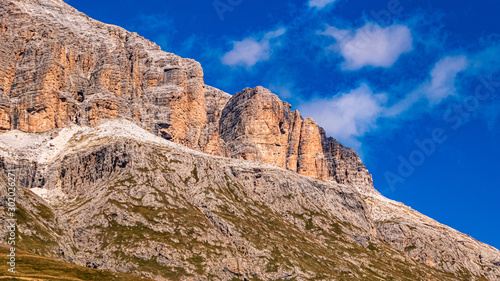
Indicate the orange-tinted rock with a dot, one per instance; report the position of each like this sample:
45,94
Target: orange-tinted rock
294,141
4,119
254,127
58,67
311,160
210,141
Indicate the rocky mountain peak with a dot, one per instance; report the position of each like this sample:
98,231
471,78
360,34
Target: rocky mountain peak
69,69
256,125
126,161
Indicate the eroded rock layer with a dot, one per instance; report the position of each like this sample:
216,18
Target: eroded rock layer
256,125
115,195
59,67
118,198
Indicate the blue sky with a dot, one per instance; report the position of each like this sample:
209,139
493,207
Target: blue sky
412,85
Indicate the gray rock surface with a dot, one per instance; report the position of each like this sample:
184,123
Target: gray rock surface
119,195
59,67
118,198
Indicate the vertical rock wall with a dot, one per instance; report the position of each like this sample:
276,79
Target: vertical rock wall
58,67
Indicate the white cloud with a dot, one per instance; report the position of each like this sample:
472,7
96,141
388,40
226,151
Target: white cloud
443,75
348,115
371,45
250,51
437,88
320,4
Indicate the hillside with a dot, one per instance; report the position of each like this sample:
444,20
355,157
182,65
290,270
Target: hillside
34,268
127,162
119,198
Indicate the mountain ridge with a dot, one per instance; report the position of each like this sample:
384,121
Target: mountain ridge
79,70
121,152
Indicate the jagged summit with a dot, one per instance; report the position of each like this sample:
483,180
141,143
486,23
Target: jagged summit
59,67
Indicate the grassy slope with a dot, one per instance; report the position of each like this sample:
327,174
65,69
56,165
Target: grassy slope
34,267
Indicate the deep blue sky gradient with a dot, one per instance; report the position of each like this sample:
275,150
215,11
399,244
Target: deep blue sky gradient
458,184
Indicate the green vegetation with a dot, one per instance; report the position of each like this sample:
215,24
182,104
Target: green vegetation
151,265
309,224
276,260
372,247
320,244
410,248
34,267
41,241
197,261
194,172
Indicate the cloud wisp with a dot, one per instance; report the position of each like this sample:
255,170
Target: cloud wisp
348,116
250,51
370,45
320,4
439,86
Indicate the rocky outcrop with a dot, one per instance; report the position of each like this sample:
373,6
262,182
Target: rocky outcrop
114,195
59,67
210,140
256,125
345,166
408,230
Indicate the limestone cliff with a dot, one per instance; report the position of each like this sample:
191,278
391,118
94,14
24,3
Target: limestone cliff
123,163
59,67
256,125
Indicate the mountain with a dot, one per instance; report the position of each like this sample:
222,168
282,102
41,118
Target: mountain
127,162
60,67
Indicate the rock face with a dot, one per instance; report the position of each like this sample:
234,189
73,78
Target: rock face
116,197
59,67
344,165
256,125
141,194
210,140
